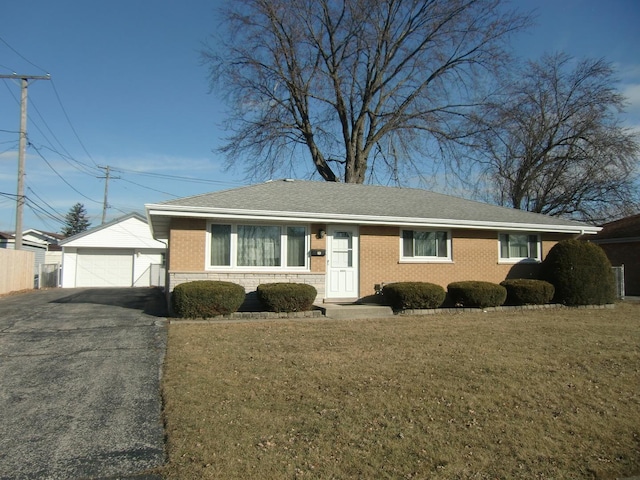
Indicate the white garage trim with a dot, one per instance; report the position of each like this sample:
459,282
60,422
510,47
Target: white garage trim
104,268
120,253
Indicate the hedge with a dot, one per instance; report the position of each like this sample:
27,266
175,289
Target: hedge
476,294
286,297
413,295
580,272
206,298
528,291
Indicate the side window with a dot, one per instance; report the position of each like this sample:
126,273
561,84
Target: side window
221,245
519,246
296,246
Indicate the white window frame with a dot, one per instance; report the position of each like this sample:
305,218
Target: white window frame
234,248
528,259
425,259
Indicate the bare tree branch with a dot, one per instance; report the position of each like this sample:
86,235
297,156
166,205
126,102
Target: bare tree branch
341,77
553,142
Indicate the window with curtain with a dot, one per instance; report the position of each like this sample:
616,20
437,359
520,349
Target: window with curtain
425,244
296,250
258,246
519,246
221,245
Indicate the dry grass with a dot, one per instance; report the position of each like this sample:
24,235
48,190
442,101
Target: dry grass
535,394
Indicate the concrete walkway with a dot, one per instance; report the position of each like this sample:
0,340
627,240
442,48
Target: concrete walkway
80,383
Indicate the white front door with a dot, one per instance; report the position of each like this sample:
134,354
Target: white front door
342,262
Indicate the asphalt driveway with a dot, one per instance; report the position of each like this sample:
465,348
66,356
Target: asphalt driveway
80,383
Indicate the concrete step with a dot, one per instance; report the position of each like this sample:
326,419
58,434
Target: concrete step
346,312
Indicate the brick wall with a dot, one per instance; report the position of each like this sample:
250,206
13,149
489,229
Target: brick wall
474,255
187,244
318,264
187,251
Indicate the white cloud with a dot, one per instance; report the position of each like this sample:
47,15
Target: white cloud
632,94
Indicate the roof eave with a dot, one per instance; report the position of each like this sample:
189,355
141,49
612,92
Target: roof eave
158,210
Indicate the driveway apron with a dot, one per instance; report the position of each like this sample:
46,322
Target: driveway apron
80,374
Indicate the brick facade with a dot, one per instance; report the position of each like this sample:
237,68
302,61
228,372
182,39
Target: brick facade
474,257
187,244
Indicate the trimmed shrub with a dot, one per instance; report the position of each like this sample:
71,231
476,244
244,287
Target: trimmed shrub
527,291
413,295
476,294
286,297
580,272
206,298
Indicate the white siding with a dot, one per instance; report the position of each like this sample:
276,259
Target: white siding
69,260
129,233
116,254
142,267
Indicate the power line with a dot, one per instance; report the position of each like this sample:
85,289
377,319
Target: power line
61,177
149,188
55,90
21,56
24,83
59,215
176,177
68,155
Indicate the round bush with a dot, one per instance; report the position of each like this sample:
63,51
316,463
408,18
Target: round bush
580,272
413,295
476,294
206,298
286,297
526,291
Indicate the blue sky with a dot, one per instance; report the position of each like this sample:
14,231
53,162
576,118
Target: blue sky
128,90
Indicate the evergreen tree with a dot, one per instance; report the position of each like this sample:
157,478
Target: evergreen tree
76,221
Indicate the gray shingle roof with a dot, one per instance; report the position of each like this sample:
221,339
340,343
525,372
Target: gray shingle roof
311,199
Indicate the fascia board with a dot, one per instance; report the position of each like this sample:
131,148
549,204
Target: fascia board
238,214
601,241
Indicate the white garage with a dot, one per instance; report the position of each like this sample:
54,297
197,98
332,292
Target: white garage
120,253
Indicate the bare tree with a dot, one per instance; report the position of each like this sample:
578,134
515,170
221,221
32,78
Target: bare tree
340,81
553,142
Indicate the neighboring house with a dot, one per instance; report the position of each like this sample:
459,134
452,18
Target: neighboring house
120,253
621,242
50,239
8,241
347,239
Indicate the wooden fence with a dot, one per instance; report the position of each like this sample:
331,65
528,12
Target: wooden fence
16,270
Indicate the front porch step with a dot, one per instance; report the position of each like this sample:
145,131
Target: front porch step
346,312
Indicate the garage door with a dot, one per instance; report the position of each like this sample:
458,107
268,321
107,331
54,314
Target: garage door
104,268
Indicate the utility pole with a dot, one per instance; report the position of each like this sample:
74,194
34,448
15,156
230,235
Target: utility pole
107,176
24,83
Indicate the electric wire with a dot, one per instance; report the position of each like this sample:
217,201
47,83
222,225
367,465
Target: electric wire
66,115
62,107
55,212
149,188
68,156
176,177
61,177
21,56
77,164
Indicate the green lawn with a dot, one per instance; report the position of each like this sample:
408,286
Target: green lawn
533,394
